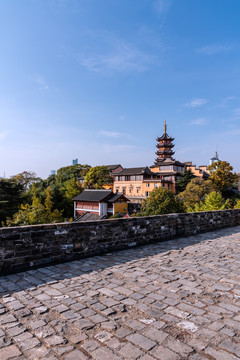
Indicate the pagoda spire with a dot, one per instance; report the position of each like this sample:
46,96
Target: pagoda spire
165,127
164,146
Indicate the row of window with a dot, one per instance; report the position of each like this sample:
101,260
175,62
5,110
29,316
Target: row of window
129,178
171,167
138,188
140,178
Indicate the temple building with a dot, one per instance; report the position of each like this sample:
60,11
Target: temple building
137,183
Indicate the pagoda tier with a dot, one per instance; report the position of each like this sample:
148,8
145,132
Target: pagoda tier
165,152
165,137
164,146
167,145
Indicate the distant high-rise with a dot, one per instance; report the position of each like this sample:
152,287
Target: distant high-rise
75,161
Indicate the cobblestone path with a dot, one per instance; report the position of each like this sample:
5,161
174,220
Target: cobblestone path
175,300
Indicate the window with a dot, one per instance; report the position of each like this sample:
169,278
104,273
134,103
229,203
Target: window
139,177
124,190
146,193
147,185
138,189
117,189
132,177
155,185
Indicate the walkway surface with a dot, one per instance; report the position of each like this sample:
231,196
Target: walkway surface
175,300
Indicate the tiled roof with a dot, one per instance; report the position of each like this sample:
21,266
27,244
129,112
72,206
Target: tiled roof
166,162
113,167
92,195
165,136
114,197
135,171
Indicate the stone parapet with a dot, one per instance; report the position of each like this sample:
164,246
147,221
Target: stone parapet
28,247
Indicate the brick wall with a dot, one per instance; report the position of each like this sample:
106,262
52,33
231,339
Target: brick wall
28,247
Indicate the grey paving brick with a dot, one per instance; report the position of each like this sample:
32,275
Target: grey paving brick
75,355
9,352
141,341
104,353
129,351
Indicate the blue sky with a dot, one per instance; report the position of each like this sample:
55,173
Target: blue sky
95,80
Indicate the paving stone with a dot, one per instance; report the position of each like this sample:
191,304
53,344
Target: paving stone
84,324
129,351
135,324
104,354
141,341
75,355
37,324
162,353
219,354
156,335
55,340
90,345
178,347
9,352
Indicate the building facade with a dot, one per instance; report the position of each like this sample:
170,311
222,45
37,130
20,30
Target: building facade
100,202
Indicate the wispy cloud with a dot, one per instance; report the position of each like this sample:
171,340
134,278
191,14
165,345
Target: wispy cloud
120,56
40,81
162,6
196,102
225,101
236,113
214,49
200,121
113,134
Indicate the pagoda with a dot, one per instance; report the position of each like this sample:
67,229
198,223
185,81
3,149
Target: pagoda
164,146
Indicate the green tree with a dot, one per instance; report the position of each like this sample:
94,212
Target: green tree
213,201
237,205
11,193
160,201
26,178
37,213
97,177
50,214
222,175
195,192
185,177
70,172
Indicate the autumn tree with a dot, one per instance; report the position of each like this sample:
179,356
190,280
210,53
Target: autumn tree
222,175
37,213
195,192
160,201
97,177
213,201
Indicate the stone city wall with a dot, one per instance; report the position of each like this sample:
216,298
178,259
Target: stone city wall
27,247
